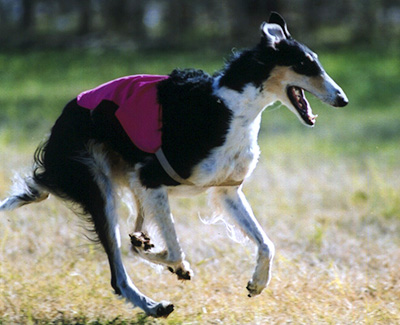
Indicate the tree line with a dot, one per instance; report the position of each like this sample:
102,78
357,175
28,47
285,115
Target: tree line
185,24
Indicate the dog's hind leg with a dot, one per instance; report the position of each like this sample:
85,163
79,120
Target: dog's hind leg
96,179
153,204
105,220
87,182
235,204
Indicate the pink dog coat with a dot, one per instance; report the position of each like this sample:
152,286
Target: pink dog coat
138,110
139,114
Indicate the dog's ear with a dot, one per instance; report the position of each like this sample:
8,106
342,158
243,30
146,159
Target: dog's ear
272,34
276,18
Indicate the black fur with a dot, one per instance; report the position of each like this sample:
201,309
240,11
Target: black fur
250,66
255,65
294,54
194,122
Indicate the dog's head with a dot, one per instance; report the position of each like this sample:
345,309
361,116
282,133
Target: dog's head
296,70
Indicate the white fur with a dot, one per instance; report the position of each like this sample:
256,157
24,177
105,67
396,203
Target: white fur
102,174
10,203
237,158
235,204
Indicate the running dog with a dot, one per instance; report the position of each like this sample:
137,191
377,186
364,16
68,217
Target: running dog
187,132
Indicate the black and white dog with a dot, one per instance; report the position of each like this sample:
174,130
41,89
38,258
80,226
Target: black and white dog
209,131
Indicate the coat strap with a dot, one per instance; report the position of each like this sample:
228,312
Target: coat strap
175,176
168,168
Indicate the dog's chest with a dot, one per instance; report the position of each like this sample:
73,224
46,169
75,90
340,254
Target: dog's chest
233,161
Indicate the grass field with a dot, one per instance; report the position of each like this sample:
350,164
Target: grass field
329,198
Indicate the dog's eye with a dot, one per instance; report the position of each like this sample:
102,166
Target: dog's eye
299,65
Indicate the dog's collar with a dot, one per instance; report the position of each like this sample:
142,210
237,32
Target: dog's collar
177,178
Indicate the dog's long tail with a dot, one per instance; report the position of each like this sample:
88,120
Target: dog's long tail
25,191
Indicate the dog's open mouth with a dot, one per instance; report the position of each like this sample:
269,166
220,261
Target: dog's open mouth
299,101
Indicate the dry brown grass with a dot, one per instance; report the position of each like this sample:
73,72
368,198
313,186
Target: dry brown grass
335,223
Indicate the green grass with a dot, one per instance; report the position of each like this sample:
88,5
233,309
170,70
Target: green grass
329,198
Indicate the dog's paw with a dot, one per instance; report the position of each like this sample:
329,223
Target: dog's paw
253,289
184,272
164,309
140,240
161,309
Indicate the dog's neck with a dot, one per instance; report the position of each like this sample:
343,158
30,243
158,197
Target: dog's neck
246,105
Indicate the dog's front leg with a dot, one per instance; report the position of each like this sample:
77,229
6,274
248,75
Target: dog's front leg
153,204
235,204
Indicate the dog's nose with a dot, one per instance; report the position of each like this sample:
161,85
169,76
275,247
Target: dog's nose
341,100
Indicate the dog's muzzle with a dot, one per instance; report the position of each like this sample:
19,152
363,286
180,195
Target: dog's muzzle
332,94
341,100
324,88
